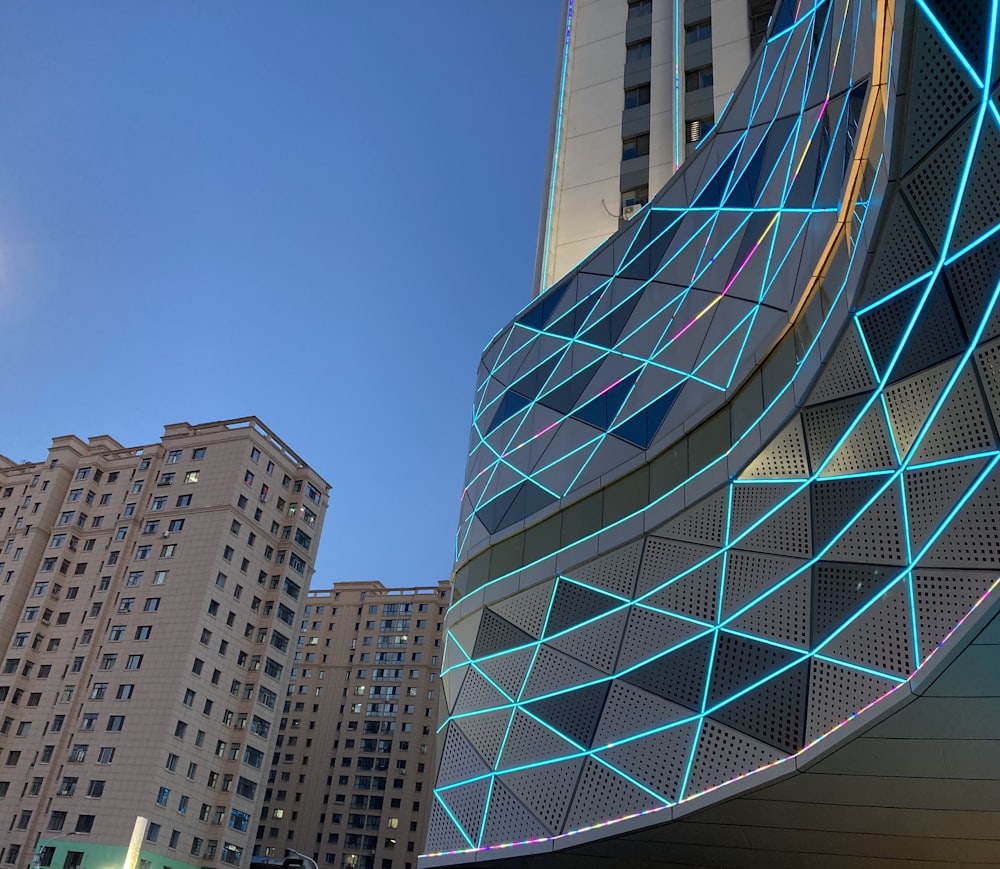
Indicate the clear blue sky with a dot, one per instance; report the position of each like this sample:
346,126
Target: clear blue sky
317,212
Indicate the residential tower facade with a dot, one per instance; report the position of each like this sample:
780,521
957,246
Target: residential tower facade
151,598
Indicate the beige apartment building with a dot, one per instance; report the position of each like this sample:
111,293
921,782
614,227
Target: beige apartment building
639,83
352,774
149,604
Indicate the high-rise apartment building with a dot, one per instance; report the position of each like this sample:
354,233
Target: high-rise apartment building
639,84
351,777
150,599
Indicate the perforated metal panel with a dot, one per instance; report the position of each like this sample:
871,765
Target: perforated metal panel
867,448
975,540
615,572
784,457
630,711
573,604
695,595
881,638
739,663
775,713
664,559
972,279
910,402
705,522
836,693
723,754
749,574
903,256
839,591
658,761
936,175
980,208
478,693
826,424
931,493
526,610
943,597
836,503
595,644
940,95
847,373
648,633
787,531
546,790
508,814
442,831
485,732
603,793
460,760
783,615
529,741
877,535
497,635
988,365
510,670
554,671
679,676
574,713
467,803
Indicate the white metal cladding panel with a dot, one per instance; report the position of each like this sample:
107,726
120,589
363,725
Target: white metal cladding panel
648,633
784,615
486,732
980,207
942,598
529,741
753,500
931,493
973,539
510,669
597,643
877,535
867,449
459,760
695,594
847,372
442,831
467,803
630,711
962,426
749,574
546,790
508,813
881,638
704,523
988,365
554,671
477,693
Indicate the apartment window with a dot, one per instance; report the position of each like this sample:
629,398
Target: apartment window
134,578
153,833
105,755
133,662
183,500
698,128
173,457
160,577
96,789
129,510
137,486
108,661
142,553
175,525
162,796
78,753
159,503
125,692
197,453
117,633
98,690
126,605
635,196
115,723
75,495
696,79
638,51
168,550
637,96
151,605
191,476
143,631
636,146
639,8
698,32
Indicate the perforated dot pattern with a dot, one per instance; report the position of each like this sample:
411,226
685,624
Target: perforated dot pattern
574,604
847,373
616,571
786,531
442,831
486,733
508,813
527,609
775,713
695,595
477,693
942,598
902,255
980,207
739,663
665,559
825,426
648,633
595,644
972,280
940,94
784,457
881,637
783,615
962,426
603,793
876,536
467,803
528,741
508,671
497,635
723,754
546,790
657,761
867,448
554,671
460,759
928,187
703,523
910,401
988,364
631,710
975,540
836,693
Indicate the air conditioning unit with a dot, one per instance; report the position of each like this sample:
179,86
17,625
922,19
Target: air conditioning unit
165,534
629,211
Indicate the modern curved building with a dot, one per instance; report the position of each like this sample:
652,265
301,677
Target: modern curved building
730,537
